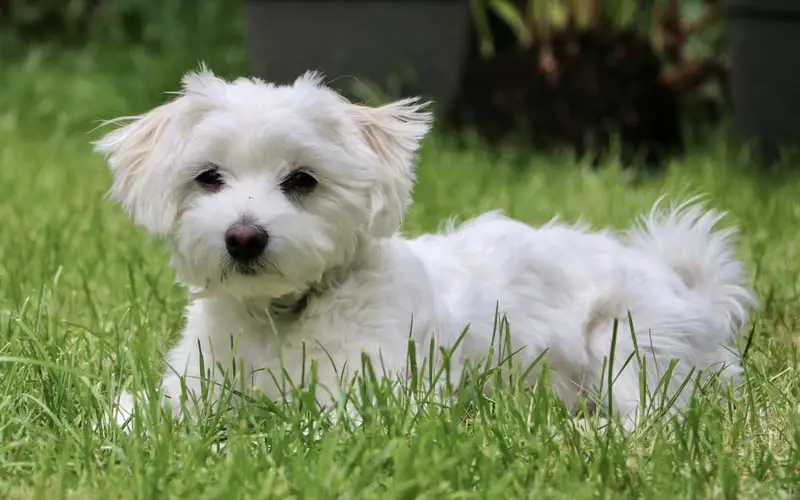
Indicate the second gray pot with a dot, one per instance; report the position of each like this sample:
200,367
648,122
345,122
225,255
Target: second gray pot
372,40
764,48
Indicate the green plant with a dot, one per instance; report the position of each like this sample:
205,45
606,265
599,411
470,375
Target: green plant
530,20
684,33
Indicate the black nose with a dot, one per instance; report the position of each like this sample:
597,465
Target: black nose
246,242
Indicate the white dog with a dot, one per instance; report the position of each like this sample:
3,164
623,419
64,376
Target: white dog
281,205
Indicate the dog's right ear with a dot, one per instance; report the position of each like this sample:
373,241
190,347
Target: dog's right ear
139,155
142,153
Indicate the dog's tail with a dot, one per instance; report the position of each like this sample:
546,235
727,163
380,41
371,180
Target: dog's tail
686,239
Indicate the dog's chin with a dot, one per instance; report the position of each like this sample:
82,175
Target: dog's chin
247,281
248,270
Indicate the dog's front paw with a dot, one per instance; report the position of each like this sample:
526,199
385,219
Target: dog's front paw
124,409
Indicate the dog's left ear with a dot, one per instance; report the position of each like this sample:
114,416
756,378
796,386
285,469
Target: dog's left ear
394,133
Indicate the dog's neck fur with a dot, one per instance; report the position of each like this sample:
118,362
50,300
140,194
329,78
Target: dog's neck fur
291,306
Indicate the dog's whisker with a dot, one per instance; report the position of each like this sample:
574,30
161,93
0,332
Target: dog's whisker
275,269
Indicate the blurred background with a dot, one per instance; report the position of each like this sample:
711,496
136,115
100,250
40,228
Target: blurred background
627,78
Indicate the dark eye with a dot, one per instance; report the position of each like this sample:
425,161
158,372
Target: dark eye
298,183
210,179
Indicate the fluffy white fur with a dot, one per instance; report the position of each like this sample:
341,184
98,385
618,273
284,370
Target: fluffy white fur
366,289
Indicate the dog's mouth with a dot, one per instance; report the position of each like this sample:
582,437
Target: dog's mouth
250,269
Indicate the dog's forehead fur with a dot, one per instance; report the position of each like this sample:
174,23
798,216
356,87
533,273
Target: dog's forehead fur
252,123
305,103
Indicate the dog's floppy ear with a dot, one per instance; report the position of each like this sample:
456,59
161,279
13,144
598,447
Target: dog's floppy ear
141,153
394,133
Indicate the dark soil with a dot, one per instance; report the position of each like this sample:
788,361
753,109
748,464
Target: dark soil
585,90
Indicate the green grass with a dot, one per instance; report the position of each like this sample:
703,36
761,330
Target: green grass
88,304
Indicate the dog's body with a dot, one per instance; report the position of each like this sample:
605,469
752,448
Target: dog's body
281,205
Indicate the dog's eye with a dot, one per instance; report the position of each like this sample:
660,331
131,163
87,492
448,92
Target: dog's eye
210,179
298,182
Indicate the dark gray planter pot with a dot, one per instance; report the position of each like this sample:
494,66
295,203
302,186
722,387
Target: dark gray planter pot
764,48
371,40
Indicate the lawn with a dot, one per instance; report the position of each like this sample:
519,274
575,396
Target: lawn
88,304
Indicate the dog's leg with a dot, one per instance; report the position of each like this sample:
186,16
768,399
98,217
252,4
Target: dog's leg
122,410
199,374
626,397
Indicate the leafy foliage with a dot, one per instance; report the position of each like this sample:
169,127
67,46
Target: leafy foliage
683,32
155,22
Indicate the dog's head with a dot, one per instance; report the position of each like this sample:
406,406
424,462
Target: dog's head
262,188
